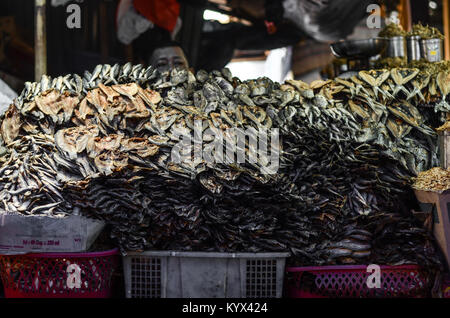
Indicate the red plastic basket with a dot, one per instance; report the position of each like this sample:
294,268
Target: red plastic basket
351,282
446,287
59,275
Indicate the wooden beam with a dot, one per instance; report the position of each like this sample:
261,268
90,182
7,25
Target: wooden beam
104,40
446,19
128,52
40,40
405,15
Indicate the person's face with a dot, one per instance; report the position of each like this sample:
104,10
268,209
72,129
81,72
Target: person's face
167,58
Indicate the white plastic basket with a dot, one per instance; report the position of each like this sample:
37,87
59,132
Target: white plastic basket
167,274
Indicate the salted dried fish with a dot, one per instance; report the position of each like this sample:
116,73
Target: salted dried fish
110,155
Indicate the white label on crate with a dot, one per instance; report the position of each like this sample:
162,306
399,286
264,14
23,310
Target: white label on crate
73,276
19,234
374,279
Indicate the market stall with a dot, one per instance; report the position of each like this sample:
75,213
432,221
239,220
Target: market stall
193,183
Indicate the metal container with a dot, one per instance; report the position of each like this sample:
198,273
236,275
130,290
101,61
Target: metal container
358,48
432,49
413,48
396,46
444,148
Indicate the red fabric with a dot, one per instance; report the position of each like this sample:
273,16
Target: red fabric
163,13
271,27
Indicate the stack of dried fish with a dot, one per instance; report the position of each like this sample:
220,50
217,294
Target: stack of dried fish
345,181
29,179
114,154
381,104
398,237
128,119
115,131
426,67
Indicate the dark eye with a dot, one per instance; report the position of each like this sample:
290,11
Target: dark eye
161,62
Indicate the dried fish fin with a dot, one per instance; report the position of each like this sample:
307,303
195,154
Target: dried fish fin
128,90
304,89
358,110
401,77
73,141
109,92
69,104
11,124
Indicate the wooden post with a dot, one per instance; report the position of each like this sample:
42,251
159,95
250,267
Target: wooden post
40,40
128,52
446,19
405,15
104,40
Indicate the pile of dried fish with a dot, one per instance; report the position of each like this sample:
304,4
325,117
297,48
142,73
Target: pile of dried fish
400,236
428,68
29,179
346,182
435,179
151,210
347,151
114,154
382,107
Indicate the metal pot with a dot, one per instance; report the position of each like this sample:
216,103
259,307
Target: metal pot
444,149
358,48
432,49
396,46
413,48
